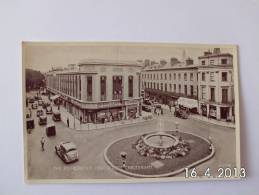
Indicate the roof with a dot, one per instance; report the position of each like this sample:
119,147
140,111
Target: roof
216,55
108,62
68,145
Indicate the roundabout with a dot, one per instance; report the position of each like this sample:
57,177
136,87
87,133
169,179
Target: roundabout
158,154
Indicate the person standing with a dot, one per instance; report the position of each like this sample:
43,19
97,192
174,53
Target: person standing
67,122
42,141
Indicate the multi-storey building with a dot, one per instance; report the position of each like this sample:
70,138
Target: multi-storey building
210,83
96,90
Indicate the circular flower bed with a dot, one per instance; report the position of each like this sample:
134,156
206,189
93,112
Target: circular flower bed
140,160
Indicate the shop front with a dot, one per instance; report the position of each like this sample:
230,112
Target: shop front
212,112
132,111
203,109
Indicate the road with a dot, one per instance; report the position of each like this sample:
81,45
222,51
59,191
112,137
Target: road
91,144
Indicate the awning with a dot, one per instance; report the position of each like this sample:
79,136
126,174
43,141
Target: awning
188,103
54,97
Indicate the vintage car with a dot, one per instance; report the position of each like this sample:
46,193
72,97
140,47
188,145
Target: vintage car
40,102
29,124
34,105
49,110
31,100
42,120
51,130
45,105
39,112
67,151
181,113
56,116
146,108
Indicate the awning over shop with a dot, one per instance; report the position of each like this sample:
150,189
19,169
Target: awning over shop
54,97
188,103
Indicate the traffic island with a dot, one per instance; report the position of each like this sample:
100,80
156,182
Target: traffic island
158,154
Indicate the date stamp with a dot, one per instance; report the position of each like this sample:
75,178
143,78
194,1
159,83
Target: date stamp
221,172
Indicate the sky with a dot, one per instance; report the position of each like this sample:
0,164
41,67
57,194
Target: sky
44,56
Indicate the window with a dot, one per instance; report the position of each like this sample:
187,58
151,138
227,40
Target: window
170,76
157,86
89,88
165,76
212,76
185,90
179,88
130,82
212,94
185,76
179,76
224,61
203,92
174,76
211,62
191,90
117,87
191,77
203,62
103,87
161,76
165,86
161,86
203,76
174,87
224,76
224,95
170,87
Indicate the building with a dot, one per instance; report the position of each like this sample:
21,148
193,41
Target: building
95,91
209,82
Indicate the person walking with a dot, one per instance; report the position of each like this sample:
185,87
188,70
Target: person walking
42,141
67,122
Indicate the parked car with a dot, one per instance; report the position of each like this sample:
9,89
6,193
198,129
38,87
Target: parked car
67,151
49,110
29,124
31,100
146,108
45,105
40,102
40,112
42,120
181,113
34,105
147,102
56,116
50,130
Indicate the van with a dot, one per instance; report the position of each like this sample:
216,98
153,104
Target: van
50,130
56,116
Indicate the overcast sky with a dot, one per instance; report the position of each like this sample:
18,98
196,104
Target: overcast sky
43,56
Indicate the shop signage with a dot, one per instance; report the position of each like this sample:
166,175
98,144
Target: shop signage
108,104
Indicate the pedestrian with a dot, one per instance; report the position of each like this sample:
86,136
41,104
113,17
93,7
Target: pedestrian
42,141
170,107
58,107
67,122
30,111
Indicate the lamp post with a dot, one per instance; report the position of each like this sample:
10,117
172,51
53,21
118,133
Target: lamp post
123,157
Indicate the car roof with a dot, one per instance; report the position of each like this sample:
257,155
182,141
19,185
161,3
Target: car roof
50,125
68,145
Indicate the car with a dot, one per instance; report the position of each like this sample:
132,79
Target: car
42,120
45,105
39,112
51,130
34,105
31,100
181,113
146,108
147,102
40,102
49,110
67,151
56,116
29,124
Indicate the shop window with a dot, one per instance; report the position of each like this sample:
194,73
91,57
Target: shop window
224,76
103,87
89,88
117,87
130,82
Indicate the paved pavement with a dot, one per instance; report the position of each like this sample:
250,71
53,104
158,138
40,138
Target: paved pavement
91,144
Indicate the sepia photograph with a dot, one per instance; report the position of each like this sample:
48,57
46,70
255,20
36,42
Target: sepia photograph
119,112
